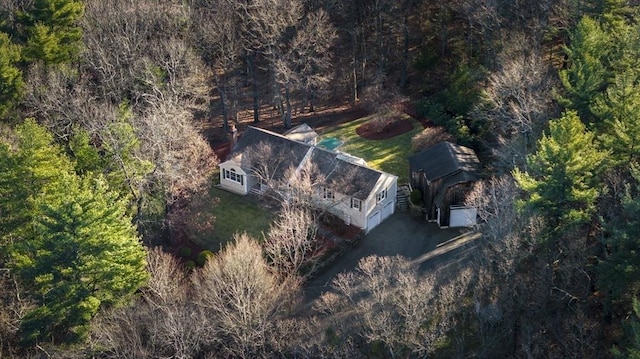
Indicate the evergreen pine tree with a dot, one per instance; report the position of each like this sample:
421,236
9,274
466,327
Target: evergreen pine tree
81,253
619,109
588,73
562,176
69,238
11,84
52,32
619,271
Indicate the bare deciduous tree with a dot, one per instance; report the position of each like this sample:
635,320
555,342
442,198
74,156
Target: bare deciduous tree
134,49
183,159
162,323
386,300
239,293
218,34
291,240
14,304
518,102
430,136
311,56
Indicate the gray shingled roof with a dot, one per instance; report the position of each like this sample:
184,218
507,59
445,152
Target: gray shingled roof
340,175
289,153
352,179
445,159
343,176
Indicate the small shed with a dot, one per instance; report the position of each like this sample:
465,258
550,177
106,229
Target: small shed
302,133
445,173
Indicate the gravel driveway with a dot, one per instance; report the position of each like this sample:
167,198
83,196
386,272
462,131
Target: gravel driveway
401,234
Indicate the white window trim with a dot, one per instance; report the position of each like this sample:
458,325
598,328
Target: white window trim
381,196
356,203
327,193
232,176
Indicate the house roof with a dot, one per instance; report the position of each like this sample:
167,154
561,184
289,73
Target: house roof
259,144
343,174
446,159
352,179
303,133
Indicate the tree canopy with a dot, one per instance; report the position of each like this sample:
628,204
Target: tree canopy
561,179
73,247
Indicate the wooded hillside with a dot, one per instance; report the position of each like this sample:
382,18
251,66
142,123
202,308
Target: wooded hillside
110,110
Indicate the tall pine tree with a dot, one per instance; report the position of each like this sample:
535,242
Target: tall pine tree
619,109
589,72
563,175
70,240
11,84
51,30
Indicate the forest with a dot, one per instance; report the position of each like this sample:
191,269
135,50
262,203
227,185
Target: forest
110,111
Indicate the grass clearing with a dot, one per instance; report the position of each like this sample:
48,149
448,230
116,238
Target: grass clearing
388,155
233,213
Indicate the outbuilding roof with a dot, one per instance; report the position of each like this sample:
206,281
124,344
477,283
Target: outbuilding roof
446,159
302,133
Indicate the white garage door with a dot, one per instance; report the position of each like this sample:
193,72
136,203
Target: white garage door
462,217
387,210
373,221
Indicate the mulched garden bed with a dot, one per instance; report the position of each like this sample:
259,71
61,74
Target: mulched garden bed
393,127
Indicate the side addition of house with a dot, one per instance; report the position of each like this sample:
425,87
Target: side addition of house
349,189
445,173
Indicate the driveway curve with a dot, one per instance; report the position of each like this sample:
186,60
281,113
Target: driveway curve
401,234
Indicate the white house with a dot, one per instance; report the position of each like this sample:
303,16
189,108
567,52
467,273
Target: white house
353,191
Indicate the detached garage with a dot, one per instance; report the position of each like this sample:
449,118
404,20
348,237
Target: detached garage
461,216
445,173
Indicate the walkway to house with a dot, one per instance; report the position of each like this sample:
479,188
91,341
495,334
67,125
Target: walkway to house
402,234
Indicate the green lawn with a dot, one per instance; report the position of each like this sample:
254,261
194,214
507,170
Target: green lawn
233,213
388,155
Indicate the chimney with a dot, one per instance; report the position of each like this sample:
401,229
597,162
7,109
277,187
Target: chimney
233,135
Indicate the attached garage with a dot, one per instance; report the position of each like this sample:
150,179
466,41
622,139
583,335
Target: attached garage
387,210
462,216
373,221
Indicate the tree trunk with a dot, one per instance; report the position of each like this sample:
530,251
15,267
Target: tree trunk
223,104
405,52
380,45
254,88
355,67
287,115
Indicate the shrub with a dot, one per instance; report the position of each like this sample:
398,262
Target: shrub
190,265
458,126
416,196
429,137
185,252
433,111
380,121
203,257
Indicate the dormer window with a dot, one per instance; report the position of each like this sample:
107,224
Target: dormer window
327,193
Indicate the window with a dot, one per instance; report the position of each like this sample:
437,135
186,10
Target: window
231,175
381,195
356,203
327,193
